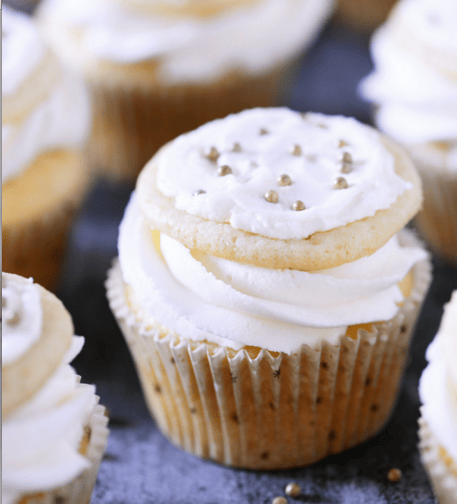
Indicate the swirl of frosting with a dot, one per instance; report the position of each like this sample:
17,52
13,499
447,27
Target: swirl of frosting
191,293
43,107
414,81
41,439
256,36
22,317
226,170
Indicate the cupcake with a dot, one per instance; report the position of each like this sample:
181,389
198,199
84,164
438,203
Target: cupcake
160,68
414,90
438,421
45,176
265,288
54,431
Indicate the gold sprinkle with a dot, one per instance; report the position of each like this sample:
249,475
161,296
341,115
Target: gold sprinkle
198,192
237,147
295,150
340,183
279,500
298,206
284,180
346,168
224,170
293,489
212,154
272,197
322,125
263,131
341,143
394,475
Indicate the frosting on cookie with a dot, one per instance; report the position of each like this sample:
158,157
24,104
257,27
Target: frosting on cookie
254,37
438,385
414,81
280,174
43,106
192,293
41,439
22,316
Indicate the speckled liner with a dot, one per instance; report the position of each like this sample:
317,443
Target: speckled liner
271,410
442,476
79,490
437,222
132,123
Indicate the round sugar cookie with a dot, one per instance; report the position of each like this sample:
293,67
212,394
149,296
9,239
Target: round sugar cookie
26,374
232,189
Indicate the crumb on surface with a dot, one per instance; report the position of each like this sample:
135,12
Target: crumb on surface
394,475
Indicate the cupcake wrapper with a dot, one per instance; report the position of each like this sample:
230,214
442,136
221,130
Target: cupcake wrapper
79,490
269,412
442,476
131,124
437,222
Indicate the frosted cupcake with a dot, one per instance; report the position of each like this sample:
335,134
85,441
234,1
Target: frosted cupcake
46,121
264,289
54,431
160,68
414,87
438,422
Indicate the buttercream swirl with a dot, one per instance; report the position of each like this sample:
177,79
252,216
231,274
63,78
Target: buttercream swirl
254,37
280,310
269,143
414,81
438,385
44,107
41,439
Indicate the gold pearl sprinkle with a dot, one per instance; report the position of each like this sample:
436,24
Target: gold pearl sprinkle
284,180
346,157
295,150
198,192
298,206
279,500
341,143
340,183
272,197
394,475
237,147
346,168
263,131
224,170
293,489
211,154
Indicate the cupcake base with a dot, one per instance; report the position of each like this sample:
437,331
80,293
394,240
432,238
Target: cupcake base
266,410
440,468
38,208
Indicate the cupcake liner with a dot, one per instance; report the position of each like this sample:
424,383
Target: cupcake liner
266,410
132,123
441,471
79,490
35,247
437,222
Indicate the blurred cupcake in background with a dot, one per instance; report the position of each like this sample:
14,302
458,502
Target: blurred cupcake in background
54,431
414,90
46,120
438,422
160,68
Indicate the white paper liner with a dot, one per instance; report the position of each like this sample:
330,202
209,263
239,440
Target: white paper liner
275,410
442,476
79,490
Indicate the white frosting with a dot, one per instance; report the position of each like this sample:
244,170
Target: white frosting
238,198
22,317
40,440
416,96
254,37
59,119
207,298
438,385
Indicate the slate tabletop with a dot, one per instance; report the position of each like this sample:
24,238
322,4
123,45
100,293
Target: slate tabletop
140,465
